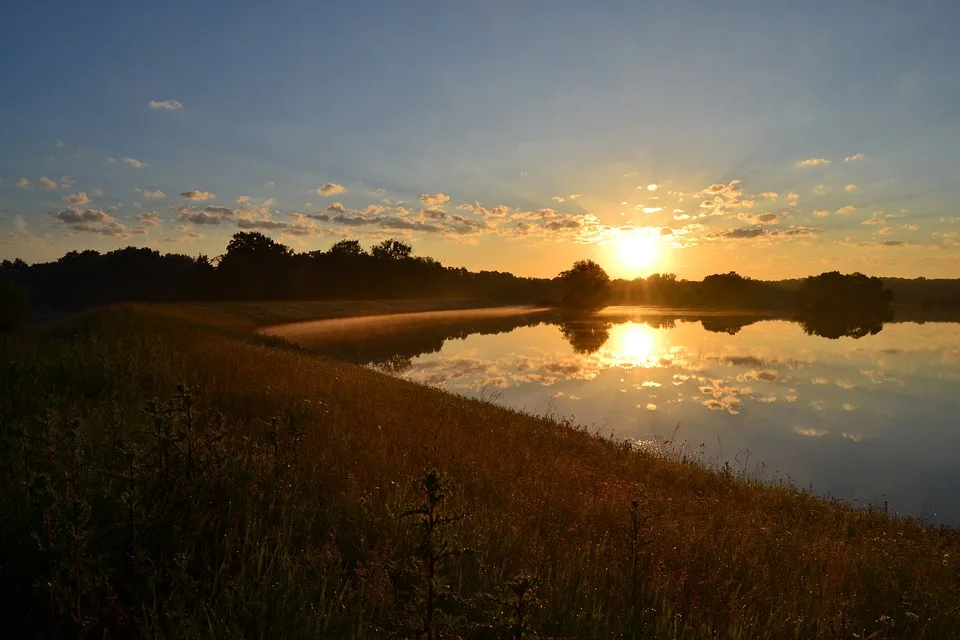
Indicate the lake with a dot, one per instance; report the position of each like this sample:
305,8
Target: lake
865,410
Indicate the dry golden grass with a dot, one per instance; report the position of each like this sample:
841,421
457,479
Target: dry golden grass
724,556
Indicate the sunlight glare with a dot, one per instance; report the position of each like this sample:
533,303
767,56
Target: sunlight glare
638,250
633,345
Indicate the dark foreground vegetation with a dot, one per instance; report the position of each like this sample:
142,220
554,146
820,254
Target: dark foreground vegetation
163,476
255,267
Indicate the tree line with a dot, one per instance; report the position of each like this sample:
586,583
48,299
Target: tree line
256,267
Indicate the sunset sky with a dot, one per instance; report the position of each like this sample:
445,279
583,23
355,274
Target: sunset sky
775,139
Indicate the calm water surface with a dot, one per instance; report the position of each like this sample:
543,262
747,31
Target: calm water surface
872,419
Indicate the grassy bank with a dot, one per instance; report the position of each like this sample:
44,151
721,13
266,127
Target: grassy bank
264,497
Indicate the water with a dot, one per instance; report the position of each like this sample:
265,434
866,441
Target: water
870,419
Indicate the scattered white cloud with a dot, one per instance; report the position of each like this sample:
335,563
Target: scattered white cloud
821,213
23,183
155,195
196,195
763,218
434,200
769,195
133,162
851,187
847,208
150,219
820,189
59,144
810,432
77,199
793,197
876,218
653,186
336,207
330,189
91,221
111,160
66,182
169,105
854,158
48,183
812,162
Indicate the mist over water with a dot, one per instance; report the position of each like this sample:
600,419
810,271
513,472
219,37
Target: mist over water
859,408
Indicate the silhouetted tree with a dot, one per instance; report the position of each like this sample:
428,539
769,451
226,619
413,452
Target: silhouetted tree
391,250
585,285
346,248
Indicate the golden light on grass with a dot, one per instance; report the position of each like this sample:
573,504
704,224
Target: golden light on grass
637,251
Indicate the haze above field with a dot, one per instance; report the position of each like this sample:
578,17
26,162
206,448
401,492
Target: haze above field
777,142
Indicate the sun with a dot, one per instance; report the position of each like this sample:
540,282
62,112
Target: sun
638,250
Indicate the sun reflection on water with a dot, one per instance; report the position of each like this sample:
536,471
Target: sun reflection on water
632,344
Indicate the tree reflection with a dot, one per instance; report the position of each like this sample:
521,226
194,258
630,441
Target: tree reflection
846,322
585,335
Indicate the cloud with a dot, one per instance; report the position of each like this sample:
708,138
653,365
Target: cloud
854,158
763,218
886,231
769,195
242,199
198,196
810,432
575,196
875,219
758,232
150,219
330,189
111,160
59,144
322,217
847,208
851,187
336,207
812,162
652,209
558,198
77,198
23,183
434,200
435,214
169,105
92,221
262,224
821,213
156,195
66,182
48,183
820,189
793,197
653,186
133,162
892,243
373,210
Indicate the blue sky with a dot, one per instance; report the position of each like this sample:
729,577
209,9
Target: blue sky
461,126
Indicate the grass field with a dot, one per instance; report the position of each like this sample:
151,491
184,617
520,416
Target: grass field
165,472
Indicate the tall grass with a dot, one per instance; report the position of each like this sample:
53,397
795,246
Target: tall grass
163,476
